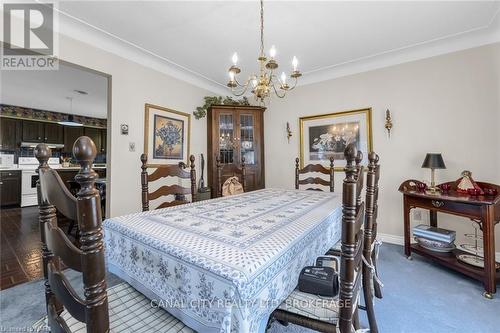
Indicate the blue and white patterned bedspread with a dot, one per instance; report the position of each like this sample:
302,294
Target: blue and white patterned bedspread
224,265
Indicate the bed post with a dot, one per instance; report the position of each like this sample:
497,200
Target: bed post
144,183
91,238
193,179
46,214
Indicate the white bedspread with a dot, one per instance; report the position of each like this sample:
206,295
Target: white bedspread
224,265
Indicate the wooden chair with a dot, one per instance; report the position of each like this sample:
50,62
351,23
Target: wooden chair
314,180
342,315
224,171
65,308
178,191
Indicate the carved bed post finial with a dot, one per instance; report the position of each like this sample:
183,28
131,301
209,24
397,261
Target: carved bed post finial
296,173
46,214
332,175
243,173
193,179
144,183
218,191
91,238
348,248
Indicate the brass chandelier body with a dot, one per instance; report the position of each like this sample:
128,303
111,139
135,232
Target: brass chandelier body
266,81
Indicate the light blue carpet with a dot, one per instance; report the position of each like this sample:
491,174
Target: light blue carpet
419,296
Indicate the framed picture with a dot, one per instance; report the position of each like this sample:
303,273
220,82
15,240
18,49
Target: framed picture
327,135
166,135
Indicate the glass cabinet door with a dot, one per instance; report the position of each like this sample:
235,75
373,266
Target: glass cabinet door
226,138
246,139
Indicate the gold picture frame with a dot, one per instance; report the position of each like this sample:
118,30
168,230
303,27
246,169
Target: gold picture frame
167,135
325,135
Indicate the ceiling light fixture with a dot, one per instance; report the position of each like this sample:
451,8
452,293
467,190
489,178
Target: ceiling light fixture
70,121
266,81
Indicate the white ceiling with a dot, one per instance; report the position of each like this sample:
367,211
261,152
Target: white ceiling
48,90
194,40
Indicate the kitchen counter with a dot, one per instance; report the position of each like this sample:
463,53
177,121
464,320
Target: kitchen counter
78,168
12,168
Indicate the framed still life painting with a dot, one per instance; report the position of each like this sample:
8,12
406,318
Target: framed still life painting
327,135
166,135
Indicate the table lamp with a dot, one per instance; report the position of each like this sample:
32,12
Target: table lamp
433,161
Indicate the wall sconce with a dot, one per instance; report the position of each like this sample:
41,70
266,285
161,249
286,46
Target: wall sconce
288,132
388,122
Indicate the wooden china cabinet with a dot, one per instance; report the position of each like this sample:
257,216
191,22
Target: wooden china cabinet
235,132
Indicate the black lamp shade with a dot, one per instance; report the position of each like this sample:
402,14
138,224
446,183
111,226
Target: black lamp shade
433,161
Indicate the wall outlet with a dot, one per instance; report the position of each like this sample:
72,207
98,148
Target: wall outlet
417,215
131,146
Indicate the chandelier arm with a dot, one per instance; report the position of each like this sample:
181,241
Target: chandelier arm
294,85
277,93
243,91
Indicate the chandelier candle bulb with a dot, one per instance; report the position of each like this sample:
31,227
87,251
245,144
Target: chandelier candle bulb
272,52
295,63
235,58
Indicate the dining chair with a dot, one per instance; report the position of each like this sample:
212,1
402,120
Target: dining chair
314,180
339,313
99,309
165,171
372,286
225,171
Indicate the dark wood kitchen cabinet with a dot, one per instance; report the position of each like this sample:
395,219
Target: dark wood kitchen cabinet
10,188
54,133
33,131
104,138
70,136
10,133
235,132
38,131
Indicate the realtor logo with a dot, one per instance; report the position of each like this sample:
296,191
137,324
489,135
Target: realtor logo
28,34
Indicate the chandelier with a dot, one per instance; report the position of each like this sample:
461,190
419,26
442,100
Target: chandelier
266,82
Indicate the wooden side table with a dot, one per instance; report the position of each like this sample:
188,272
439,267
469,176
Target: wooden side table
483,209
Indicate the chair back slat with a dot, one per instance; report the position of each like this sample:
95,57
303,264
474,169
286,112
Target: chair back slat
172,170
64,291
93,308
168,190
314,168
54,191
315,180
225,171
164,171
352,240
62,247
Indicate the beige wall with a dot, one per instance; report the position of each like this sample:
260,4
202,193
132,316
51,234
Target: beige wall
447,104
134,85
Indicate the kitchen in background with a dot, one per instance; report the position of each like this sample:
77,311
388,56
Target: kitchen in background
53,107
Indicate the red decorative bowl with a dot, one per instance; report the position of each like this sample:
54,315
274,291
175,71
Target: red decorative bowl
445,188
473,192
421,187
491,192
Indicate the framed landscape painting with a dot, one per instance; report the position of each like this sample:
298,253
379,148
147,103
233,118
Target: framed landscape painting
327,135
166,135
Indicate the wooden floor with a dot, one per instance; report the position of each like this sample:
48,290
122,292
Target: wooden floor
20,249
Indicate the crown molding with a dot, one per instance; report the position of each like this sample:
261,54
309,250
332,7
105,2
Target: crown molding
87,33
487,34
80,30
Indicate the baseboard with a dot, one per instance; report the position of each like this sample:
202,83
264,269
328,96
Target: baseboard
399,240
